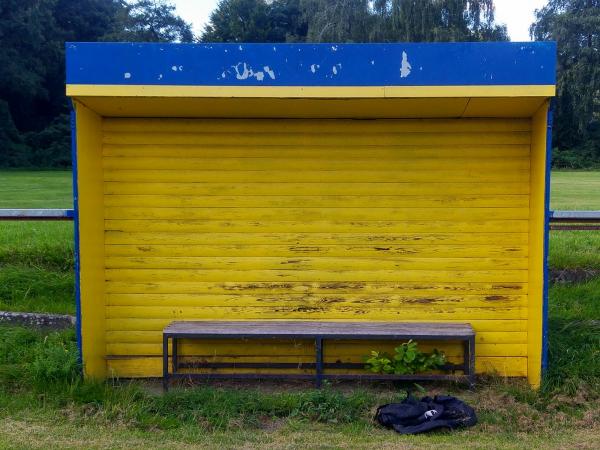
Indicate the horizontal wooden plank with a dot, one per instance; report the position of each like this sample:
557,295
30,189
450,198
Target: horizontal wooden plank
188,275
313,263
316,214
307,165
268,187
269,346
322,201
136,367
131,325
424,288
330,356
346,251
181,125
316,176
402,240
323,226
317,300
311,329
480,151
359,136
423,313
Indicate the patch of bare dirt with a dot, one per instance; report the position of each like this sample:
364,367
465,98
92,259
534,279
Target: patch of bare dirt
572,275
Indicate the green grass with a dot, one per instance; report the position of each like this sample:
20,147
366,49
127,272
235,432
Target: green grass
36,258
44,403
572,190
36,189
574,250
41,395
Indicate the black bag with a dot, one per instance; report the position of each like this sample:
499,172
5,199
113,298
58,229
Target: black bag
413,416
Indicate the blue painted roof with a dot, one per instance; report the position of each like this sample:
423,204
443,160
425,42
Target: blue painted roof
402,64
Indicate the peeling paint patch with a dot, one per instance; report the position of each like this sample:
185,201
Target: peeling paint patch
405,68
269,71
248,72
127,75
314,67
334,48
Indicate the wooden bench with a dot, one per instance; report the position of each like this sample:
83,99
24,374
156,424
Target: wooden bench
317,332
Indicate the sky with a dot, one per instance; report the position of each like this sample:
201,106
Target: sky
516,14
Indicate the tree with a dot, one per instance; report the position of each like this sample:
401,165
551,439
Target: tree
339,20
575,26
256,21
402,20
34,120
353,21
150,21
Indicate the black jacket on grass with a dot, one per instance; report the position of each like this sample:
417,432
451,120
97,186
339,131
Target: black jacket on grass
413,416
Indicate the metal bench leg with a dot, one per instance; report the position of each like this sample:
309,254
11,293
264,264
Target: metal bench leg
319,361
470,361
165,363
174,361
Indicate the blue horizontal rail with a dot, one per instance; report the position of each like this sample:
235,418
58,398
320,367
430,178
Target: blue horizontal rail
556,217
36,214
575,220
575,216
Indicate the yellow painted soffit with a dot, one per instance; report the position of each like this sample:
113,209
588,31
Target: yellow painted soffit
79,90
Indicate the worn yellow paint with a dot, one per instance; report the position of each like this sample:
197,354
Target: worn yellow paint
316,214
313,263
303,250
91,240
134,325
322,226
536,243
77,90
332,275
458,189
517,241
275,288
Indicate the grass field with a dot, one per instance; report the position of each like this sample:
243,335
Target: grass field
575,190
44,404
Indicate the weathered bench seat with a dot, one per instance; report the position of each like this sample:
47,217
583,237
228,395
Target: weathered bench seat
319,332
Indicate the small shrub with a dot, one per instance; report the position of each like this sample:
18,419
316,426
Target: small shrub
407,360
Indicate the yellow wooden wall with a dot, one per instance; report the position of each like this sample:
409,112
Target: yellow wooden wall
406,220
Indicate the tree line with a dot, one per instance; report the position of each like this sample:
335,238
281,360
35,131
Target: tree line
34,121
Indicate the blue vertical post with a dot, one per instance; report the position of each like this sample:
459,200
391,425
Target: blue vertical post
76,232
547,214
